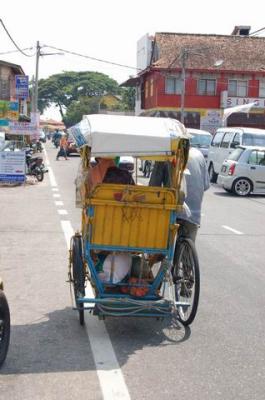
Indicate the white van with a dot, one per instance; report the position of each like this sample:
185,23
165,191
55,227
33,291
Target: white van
225,141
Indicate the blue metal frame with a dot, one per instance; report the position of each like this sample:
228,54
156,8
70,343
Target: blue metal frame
151,296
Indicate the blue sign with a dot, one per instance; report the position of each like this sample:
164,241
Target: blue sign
12,178
12,166
22,86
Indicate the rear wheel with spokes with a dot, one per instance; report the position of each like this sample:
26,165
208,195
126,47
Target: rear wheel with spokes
186,278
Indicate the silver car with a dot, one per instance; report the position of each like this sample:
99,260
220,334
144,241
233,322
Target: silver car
244,172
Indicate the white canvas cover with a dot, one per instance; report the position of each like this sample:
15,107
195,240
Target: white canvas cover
127,135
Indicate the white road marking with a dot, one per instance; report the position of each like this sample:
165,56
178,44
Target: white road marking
68,231
55,189
110,376
56,195
62,212
232,230
109,373
50,173
58,203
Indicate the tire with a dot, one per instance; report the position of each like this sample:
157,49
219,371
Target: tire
242,187
39,174
186,278
213,175
4,327
78,274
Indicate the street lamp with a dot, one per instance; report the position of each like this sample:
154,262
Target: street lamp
183,57
36,84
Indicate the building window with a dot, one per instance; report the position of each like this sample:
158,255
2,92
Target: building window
4,89
173,85
237,88
206,87
151,87
146,89
261,88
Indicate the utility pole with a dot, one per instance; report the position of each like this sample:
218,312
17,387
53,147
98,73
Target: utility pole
183,57
36,84
36,81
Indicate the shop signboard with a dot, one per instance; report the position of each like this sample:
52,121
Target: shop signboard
228,101
211,120
12,166
8,111
22,86
22,128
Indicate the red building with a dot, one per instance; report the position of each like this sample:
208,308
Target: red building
219,71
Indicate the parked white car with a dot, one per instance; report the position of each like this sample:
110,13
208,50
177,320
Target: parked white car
225,141
244,172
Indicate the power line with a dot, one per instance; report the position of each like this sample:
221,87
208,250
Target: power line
12,40
15,51
255,32
92,58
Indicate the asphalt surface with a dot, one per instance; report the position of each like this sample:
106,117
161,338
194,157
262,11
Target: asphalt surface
221,355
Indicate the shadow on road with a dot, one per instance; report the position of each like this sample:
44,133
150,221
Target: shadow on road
57,343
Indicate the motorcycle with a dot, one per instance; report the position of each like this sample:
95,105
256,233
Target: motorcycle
39,147
35,166
4,325
56,141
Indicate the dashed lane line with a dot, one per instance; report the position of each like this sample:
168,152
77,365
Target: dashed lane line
50,173
62,212
58,203
232,230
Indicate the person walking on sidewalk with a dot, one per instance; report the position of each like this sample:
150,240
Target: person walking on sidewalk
63,148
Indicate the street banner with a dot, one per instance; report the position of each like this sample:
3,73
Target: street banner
22,86
35,119
8,111
12,166
22,128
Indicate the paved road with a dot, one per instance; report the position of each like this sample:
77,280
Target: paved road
221,356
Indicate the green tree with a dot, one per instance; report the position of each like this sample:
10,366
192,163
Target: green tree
67,87
128,98
78,108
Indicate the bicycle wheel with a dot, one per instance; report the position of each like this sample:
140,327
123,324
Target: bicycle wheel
4,327
78,274
186,278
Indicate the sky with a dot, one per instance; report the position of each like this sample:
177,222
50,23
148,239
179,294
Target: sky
110,30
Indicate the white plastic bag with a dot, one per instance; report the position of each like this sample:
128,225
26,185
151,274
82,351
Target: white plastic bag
121,264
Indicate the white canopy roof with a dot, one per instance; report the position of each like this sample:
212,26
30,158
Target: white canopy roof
125,135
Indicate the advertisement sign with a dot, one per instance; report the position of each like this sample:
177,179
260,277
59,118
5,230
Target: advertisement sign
22,128
8,110
211,120
227,101
12,166
35,119
22,86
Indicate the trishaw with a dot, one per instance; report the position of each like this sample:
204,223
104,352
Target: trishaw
128,251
